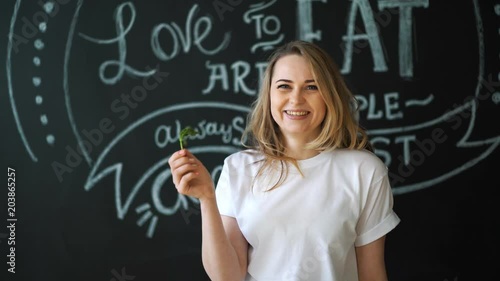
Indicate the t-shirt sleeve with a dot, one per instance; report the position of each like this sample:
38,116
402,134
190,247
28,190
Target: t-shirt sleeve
223,193
377,216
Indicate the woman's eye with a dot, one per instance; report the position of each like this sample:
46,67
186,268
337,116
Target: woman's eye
283,86
312,87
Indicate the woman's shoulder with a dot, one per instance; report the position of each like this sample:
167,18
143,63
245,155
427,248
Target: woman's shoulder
244,157
358,157
357,153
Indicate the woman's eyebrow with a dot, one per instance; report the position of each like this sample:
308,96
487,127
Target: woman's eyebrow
283,80
290,81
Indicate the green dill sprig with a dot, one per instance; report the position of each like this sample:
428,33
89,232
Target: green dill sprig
188,131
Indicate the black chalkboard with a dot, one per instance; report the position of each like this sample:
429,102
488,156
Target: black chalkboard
94,93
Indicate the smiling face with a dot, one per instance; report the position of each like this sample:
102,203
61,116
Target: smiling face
296,102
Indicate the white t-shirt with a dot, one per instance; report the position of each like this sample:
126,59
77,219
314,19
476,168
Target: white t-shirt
307,228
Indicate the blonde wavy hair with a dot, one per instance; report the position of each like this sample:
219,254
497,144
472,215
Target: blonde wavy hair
339,129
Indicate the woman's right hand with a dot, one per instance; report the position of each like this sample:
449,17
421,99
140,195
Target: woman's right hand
190,176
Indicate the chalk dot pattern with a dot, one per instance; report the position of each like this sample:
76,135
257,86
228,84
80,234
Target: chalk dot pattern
37,62
496,97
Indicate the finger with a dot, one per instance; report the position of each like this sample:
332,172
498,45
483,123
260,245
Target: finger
173,161
187,153
186,168
181,161
184,186
176,155
182,167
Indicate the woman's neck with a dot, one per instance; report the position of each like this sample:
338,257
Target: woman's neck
297,150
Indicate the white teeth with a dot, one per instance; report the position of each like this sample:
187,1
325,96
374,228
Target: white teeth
296,113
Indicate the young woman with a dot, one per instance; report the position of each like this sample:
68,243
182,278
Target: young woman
306,199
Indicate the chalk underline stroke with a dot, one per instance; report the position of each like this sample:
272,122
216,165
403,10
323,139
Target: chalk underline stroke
416,102
480,38
67,53
8,67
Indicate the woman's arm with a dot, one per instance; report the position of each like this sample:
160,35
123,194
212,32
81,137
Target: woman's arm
371,263
224,249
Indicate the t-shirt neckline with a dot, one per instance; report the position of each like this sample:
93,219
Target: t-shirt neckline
313,161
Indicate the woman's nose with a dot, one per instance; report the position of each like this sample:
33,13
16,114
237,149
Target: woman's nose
297,97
